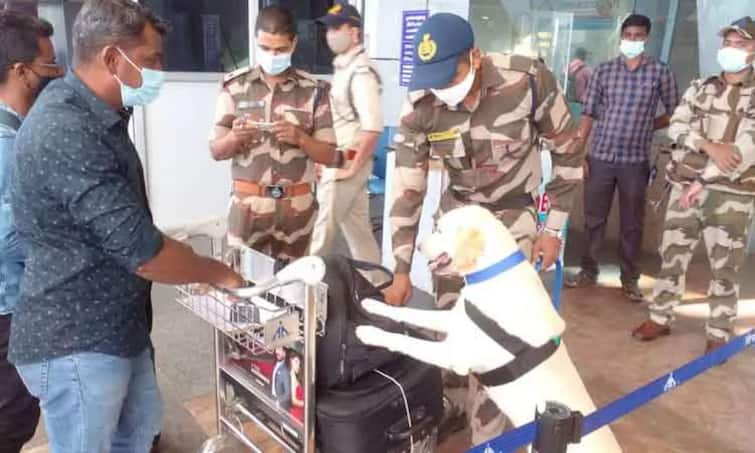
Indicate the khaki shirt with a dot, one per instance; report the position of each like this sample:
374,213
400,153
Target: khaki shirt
714,110
300,99
490,151
355,97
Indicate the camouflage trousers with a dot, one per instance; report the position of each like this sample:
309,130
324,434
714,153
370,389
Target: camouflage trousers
722,220
279,228
467,394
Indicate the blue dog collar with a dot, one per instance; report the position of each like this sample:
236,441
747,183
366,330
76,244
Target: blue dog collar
496,269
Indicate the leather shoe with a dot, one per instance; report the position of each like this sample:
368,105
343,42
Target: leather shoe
712,345
650,330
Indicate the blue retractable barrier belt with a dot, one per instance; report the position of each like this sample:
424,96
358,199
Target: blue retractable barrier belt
520,437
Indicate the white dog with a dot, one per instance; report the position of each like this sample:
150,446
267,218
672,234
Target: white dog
469,240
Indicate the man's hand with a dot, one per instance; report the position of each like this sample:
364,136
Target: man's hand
242,134
726,157
286,132
231,280
692,195
400,291
585,170
548,247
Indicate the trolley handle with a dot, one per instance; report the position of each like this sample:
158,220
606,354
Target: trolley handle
309,270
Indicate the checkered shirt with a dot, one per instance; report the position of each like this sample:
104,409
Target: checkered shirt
623,104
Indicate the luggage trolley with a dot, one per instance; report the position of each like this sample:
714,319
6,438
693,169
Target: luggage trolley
262,334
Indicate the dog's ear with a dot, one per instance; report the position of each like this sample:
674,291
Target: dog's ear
469,247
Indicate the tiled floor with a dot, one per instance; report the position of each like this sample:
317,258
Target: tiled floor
710,414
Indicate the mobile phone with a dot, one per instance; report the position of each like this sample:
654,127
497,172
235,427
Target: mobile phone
261,125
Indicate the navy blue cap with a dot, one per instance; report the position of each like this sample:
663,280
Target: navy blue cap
439,42
339,14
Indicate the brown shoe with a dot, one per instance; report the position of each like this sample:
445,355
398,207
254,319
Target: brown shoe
712,345
650,330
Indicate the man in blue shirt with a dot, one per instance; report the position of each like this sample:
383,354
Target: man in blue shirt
80,333
27,60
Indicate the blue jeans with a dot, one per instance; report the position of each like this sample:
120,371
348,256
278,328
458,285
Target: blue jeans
97,403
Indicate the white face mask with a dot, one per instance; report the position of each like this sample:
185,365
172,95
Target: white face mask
452,96
273,64
732,59
632,49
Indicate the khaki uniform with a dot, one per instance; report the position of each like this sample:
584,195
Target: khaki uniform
279,227
492,160
344,205
717,111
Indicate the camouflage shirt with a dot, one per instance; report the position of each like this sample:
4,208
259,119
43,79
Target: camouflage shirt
301,100
490,151
714,110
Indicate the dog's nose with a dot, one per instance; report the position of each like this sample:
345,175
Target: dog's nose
419,248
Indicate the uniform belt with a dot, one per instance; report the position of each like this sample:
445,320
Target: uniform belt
271,191
522,201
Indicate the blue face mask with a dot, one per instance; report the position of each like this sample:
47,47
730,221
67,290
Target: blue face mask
273,64
152,81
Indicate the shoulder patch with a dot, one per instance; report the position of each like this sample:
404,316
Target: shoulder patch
511,62
306,79
236,74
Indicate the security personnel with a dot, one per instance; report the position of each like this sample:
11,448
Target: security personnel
355,103
712,175
481,115
274,122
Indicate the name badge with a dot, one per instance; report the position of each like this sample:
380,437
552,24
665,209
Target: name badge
450,134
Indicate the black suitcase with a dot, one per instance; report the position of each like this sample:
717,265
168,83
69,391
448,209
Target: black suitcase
341,357
370,416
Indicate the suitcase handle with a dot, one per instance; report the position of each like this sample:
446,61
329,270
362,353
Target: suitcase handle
424,423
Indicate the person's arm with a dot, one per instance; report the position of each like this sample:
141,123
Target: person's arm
742,152
103,202
10,244
409,187
684,127
320,146
669,96
176,263
229,135
365,92
553,120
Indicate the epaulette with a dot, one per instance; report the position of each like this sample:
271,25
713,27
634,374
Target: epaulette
236,74
305,79
513,62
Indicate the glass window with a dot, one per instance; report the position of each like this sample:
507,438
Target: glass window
550,29
685,46
312,53
205,35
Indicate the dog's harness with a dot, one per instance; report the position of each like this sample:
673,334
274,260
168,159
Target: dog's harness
526,357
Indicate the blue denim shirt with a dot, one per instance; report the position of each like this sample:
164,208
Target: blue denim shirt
80,205
11,251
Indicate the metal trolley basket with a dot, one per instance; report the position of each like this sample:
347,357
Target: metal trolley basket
259,333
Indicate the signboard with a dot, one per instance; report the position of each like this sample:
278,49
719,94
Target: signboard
282,331
410,23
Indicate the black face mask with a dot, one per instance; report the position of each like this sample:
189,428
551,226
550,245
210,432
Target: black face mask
43,82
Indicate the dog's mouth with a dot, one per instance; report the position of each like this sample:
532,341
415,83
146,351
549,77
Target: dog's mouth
440,262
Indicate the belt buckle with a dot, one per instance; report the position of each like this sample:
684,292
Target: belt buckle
276,192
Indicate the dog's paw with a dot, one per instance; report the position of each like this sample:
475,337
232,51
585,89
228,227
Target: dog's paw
374,306
369,335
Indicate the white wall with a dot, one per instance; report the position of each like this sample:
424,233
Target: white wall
185,185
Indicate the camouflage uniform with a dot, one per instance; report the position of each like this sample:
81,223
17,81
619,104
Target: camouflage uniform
279,227
492,161
710,110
